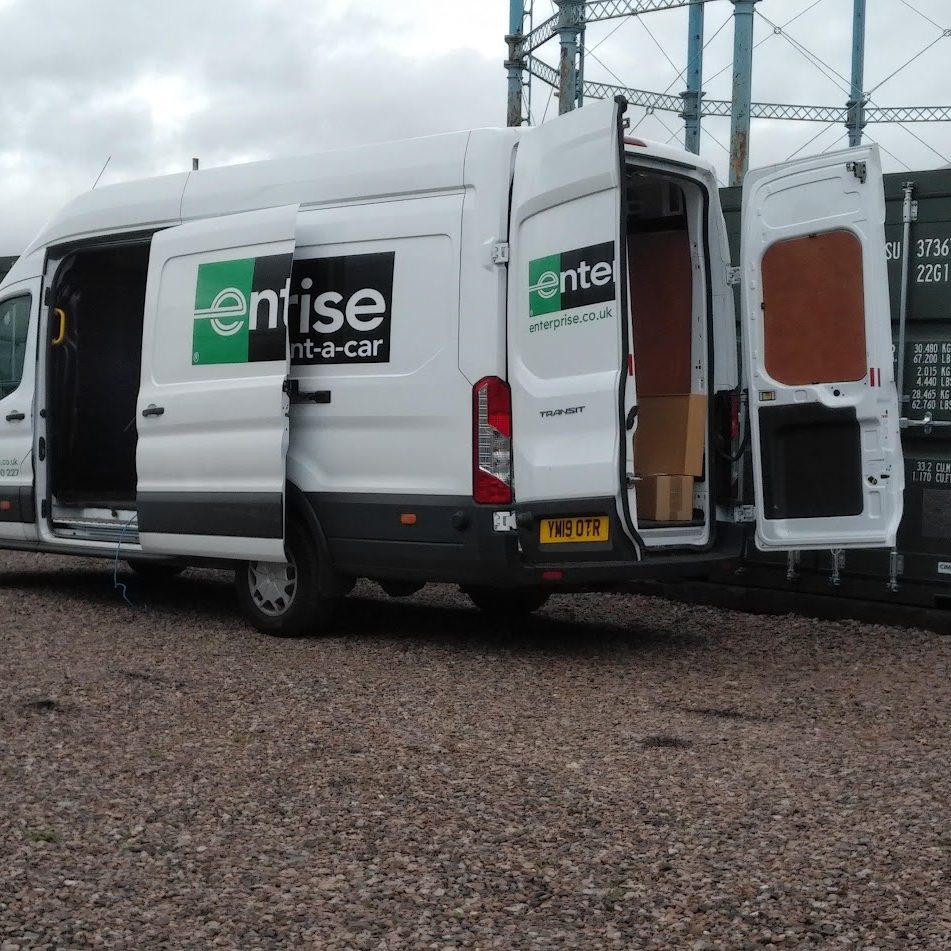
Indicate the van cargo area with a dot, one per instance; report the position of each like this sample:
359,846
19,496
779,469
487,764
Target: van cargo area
93,384
666,220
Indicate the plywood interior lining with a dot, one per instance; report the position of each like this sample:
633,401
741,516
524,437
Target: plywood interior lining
814,309
661,307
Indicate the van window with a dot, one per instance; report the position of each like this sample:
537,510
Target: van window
14,326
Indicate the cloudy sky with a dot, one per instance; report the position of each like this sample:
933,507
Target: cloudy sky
149,84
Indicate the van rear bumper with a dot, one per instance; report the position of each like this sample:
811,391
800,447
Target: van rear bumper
452,540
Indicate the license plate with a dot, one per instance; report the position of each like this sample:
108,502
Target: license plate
580,528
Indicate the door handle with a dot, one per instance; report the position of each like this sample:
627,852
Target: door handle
153,410
61,335
15,416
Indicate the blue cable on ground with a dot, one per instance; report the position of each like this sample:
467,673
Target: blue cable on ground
116,583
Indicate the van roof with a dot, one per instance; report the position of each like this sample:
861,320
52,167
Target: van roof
432,163
421,165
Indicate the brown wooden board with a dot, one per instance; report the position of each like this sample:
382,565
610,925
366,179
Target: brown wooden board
814,310
661,307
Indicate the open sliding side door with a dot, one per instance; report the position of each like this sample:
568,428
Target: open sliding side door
212,411
827,462
568,321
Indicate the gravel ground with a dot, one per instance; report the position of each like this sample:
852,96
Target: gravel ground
619,772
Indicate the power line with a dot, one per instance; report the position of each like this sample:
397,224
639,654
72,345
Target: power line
810,57
690,63
707,132
597,59
914,9
917,55
604,39
892,154
528,108
943,158
661,48
756,46
551,93
834,143
822,131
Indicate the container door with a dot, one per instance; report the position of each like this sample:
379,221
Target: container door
567,326
212,411
828,468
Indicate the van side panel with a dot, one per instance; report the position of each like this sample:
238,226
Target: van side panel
374,328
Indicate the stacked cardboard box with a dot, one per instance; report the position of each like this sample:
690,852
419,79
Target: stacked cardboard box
668,454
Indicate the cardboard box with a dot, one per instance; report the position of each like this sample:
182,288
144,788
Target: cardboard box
670,435
665,498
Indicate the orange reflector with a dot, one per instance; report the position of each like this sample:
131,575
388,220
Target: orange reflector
553,575
407,518
5,505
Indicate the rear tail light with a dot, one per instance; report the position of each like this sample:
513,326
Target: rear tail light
492,442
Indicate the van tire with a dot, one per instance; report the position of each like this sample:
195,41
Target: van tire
506,603
155,572
285,600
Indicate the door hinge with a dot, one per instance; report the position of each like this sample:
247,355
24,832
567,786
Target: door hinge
733,276
45,508
296,395
859,170
46,297
744,513
500,252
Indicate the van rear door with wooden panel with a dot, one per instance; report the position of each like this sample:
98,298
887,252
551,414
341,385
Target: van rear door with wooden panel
828,469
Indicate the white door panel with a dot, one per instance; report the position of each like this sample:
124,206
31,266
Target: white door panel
828,470
566,328
19,309
212,411
392,423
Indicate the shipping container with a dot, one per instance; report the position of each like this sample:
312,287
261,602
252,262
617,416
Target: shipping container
919,570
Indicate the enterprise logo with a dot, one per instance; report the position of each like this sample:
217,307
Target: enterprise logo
580,278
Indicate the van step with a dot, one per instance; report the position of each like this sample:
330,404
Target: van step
96,530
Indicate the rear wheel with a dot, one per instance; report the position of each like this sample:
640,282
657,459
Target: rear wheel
283,599
502,603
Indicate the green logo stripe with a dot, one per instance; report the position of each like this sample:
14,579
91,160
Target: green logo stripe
221,327
544,285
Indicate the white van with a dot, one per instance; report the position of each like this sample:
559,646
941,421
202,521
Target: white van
415,362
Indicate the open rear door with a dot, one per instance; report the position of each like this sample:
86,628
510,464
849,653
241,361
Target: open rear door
212,412
567,332
827,460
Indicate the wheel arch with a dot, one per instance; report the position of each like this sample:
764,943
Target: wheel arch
299,507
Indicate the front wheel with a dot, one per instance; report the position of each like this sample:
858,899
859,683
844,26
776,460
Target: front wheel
503,603
283,599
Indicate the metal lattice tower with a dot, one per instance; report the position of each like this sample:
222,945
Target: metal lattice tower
569,22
